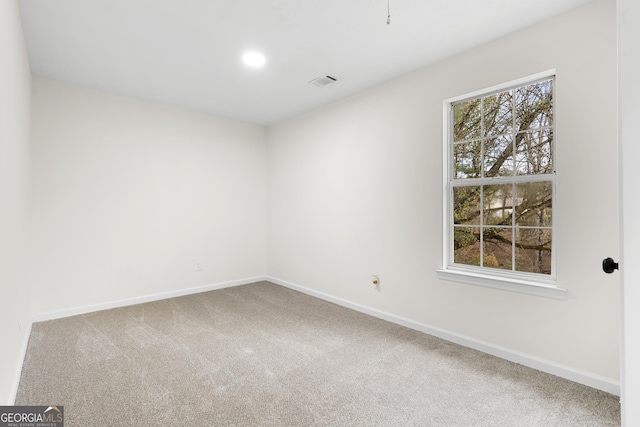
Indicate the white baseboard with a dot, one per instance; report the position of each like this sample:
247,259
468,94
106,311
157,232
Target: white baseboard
142,299
18,374
582,377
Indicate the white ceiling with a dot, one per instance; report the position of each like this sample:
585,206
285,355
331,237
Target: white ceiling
187,53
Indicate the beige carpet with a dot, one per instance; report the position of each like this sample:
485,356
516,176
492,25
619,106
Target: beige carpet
264,355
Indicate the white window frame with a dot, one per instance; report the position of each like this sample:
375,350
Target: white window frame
528,283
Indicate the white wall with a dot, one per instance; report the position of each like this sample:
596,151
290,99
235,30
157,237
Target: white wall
355,189
128,195
15,81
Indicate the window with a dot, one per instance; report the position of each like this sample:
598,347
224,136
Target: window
500,187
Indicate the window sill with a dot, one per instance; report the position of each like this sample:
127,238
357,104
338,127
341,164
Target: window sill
504,283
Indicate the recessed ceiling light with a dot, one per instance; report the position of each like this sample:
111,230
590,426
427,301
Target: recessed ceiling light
254,59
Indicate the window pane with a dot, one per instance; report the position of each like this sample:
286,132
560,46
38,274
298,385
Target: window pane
466,205
498,204
534,203
534,152
533,250
498,156
498,114
534,107
498,248
466,245
503,144
466,120
467,160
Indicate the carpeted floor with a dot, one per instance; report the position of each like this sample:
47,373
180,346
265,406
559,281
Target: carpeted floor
264,355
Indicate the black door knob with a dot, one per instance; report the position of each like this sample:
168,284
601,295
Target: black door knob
609,265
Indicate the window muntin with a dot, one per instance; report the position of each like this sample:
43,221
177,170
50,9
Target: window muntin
501,180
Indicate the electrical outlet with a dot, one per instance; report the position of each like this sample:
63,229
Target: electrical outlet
376,282
198,266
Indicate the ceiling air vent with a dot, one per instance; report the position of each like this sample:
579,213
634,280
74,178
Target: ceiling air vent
324,80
